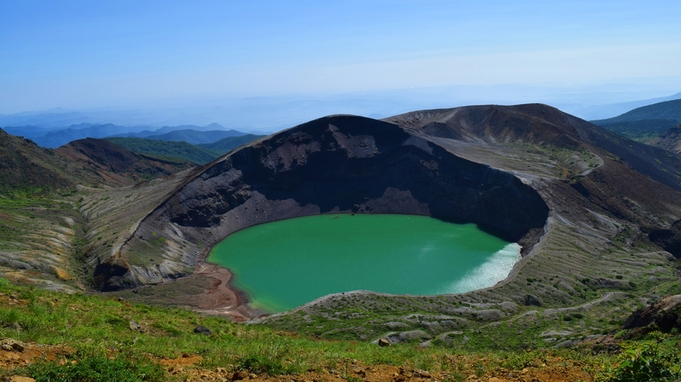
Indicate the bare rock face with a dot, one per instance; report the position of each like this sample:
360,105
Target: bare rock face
669,239
670,140
332,165
665,314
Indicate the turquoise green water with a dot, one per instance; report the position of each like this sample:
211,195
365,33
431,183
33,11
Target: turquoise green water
288,263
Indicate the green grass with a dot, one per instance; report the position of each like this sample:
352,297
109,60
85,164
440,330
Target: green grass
170,150
31,210
98,367
98,328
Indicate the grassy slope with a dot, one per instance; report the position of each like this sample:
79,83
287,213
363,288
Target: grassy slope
167,149
41,239
641,130
199,154
88,326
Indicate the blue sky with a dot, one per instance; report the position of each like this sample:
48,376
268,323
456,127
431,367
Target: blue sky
94,54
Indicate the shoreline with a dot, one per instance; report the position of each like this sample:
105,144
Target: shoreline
223,298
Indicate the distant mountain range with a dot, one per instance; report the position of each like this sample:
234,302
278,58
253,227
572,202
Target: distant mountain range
182,150
192,136
645,122
53,138
598,112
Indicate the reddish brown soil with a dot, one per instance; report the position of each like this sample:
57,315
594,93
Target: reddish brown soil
11,359
221,298
207,290
557,371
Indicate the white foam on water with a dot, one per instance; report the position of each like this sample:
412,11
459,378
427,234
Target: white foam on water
489,273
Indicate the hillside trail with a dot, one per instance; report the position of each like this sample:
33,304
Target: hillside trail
553,311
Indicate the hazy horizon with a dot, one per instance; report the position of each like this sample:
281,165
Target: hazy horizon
269,64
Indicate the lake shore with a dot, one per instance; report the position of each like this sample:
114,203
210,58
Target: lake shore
222,298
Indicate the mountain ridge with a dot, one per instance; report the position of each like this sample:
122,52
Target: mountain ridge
645,122
56,137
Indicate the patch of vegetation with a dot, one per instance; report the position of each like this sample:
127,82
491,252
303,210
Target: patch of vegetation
169,150
97,326
645,361
112,339
641,130
96,368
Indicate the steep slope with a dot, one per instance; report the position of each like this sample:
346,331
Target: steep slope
37,216
23,164
43,231
116,164
670,140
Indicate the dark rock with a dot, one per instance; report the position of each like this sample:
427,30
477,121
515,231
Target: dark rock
383,342
239,375
665,314
669,239
111,275
530,300
202,330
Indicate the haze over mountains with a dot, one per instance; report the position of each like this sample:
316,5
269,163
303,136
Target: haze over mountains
645,122
181,149
264,115
56,137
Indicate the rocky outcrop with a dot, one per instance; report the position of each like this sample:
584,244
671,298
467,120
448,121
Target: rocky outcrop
337,164
669,140
664,314
669,239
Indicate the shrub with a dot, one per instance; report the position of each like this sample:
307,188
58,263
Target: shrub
98,368
645,362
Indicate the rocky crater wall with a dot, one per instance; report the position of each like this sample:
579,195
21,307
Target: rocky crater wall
334,164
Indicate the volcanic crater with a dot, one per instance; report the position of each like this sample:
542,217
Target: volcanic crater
586,205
